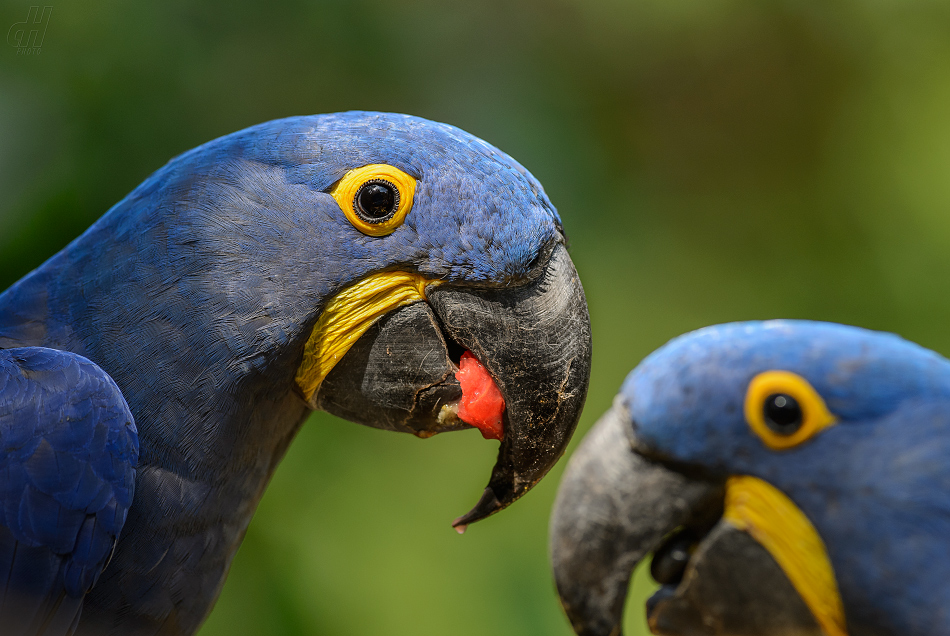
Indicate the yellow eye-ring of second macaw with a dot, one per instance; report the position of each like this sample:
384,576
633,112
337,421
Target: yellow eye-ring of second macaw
375,198
784,410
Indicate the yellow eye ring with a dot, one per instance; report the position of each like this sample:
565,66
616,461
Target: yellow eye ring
352,189
784,410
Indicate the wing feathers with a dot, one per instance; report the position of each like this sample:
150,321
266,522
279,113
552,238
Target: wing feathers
68,450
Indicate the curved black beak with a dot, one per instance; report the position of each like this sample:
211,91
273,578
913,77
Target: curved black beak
615,507
534,339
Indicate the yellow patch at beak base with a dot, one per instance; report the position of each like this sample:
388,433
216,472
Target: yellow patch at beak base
772,519
348,315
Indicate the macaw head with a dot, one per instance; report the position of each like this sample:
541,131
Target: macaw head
788,477
340,262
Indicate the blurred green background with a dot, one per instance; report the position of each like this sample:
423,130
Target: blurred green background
713,160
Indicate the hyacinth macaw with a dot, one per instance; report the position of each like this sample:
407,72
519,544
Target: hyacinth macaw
153,373
788,477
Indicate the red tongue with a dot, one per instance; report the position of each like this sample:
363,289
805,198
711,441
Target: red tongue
482,404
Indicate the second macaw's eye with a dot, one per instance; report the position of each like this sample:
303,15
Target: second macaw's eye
783,413
784,409
376,201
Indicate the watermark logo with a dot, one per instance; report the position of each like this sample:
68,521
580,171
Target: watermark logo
27,36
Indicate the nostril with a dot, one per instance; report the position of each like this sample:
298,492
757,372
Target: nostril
670,559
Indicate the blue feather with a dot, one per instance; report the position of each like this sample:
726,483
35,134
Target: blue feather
57,483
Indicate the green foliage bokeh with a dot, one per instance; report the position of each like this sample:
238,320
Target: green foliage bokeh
713,160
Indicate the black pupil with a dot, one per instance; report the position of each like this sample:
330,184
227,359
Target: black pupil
782,413
376,201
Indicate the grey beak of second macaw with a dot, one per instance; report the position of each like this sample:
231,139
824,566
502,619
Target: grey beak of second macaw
616,507
533,338
613,508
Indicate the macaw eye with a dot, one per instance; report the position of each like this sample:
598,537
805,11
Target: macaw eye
376,201
784,410
375,198
782,413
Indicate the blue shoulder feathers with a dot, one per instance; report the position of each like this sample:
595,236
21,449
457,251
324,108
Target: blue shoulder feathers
67,471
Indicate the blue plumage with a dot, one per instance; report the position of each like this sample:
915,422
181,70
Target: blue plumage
196,294
69,450
876,485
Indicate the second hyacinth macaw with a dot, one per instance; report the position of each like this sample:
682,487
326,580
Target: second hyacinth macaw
788,477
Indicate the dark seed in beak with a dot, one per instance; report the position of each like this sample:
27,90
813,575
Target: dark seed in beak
669,561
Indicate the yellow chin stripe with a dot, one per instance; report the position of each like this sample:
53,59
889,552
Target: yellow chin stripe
348,315
772,519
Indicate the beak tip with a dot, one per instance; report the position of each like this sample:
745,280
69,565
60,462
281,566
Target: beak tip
487,505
